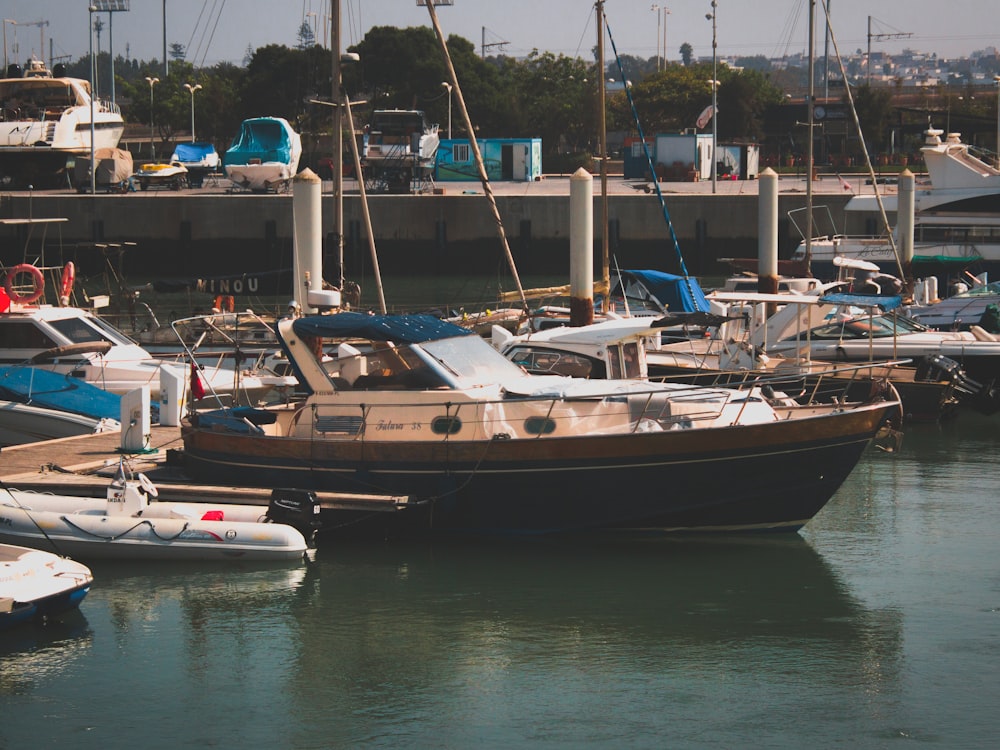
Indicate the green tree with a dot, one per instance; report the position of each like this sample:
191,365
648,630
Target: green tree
554,98
874,108
687,53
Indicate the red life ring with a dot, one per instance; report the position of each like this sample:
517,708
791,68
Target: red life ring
37,280
66,284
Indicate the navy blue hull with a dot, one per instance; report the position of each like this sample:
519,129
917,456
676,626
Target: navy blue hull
669,482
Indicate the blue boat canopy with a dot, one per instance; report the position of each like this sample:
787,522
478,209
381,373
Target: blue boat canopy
886,302
264,138
675,293
193,152
53,390
400,329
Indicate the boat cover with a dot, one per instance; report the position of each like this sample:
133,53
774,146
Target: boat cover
885,301
114,165
265,138
401,329
38,387
675,293
196,154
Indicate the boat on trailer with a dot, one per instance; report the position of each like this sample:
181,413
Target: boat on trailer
46,119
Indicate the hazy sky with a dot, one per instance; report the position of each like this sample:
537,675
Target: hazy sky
214,30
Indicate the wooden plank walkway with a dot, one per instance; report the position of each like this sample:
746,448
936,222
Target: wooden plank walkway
83,466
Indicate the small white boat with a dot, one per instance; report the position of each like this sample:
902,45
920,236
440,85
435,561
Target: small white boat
131,524
37,585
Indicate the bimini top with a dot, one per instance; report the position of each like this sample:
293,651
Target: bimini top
400,329
675,293
885,301
268,139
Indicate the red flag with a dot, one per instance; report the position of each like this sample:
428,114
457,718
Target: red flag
197,388
846,185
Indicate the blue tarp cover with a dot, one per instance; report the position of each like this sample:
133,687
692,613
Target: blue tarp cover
264,138
193,152
401,329
886,302
678,293
53,390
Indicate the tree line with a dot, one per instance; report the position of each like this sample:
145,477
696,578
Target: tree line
544,95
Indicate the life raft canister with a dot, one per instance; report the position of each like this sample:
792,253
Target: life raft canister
66,283
37,281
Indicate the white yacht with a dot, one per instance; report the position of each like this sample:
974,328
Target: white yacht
956,222
46,118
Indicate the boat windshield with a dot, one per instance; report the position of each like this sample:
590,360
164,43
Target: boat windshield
87,330
877,326
471,358
986,290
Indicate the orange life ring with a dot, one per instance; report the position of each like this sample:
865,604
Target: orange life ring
37,280
66,283
224,303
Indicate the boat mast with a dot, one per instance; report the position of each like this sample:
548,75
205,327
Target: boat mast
602,120
483,177
338,142
810,106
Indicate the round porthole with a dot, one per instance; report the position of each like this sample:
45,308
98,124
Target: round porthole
539,426
446,425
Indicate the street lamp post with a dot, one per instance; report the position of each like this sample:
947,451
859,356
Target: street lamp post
715,96
192,89
448,86
662,12
152,82
996,80
12,22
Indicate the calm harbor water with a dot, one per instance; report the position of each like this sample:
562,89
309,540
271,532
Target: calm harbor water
876,626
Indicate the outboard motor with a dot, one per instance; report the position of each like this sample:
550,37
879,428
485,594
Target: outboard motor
59,70
15,71
983,398
297,508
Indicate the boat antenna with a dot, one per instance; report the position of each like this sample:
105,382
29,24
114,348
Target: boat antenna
649,159
481,168
868,161
50,540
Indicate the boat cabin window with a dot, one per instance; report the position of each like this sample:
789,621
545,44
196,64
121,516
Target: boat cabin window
24,334
389,368
537,361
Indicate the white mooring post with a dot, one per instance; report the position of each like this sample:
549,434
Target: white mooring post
135,421
581,248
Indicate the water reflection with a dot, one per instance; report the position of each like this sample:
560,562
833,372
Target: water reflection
33,653
477,630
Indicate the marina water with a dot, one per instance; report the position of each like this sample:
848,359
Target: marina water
876,626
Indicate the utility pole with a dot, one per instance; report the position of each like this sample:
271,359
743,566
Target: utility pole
484,45
880,36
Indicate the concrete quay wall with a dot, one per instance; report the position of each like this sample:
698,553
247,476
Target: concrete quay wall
195,232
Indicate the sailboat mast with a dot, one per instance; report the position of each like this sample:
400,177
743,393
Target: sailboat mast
810,156
603,125
338,142
476,154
